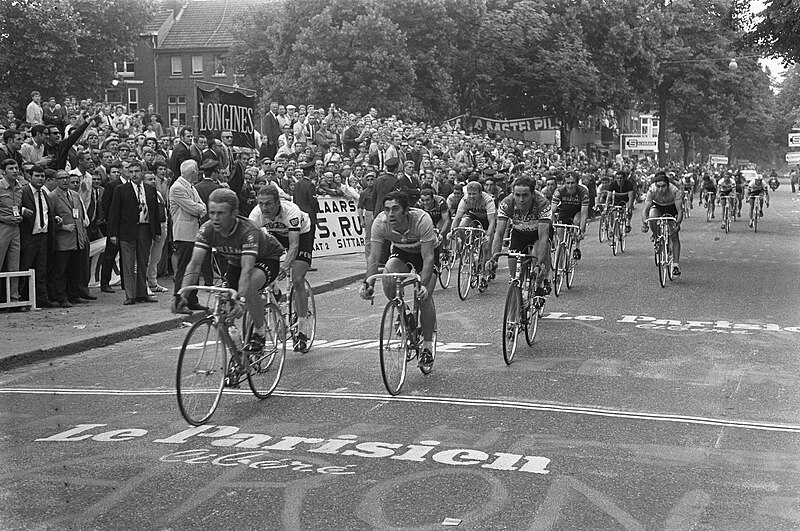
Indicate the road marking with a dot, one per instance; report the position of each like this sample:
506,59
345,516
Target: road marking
552,407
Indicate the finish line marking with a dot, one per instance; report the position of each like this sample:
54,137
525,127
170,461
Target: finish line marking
472,402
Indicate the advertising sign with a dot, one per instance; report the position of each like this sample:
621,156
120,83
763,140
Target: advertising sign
720,160
227,110
639,143
794,139
793,158
481,124
339,230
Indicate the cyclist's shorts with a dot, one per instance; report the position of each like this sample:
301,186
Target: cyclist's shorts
415,259
484,221
664,210
756,193
725,193
306,245
269,267
567,216
521,240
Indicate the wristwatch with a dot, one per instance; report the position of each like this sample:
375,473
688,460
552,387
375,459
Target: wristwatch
242,299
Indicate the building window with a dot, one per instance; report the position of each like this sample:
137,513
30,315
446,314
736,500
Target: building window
219,66
113,95
177,65
133,100
197,65
177,108
125,68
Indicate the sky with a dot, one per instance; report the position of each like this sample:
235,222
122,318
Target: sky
776,67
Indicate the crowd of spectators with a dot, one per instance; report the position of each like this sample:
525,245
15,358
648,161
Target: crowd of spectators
80,153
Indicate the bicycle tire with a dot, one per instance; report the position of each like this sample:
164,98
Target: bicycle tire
755,218
531,311
264,370
622,236
660,259
570,266
559,269
201,371
465,273
311,316
602,228
511,323
445,271
426,369
708,210
477,266
393,347
614,239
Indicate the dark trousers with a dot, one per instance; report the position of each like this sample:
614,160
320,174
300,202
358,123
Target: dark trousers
34,256
66,274
134,256
109,257
183,255
84,262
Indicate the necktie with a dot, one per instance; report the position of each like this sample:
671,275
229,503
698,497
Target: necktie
41,209
142,204
92,205
381,159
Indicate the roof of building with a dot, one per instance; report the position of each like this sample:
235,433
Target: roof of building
205,23
156,21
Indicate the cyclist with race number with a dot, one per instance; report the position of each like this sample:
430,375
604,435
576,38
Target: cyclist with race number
292,228
726,187
688,184
709,187
478,206
413,238
253,258
624,194
664,199
570,205
755,188
528,213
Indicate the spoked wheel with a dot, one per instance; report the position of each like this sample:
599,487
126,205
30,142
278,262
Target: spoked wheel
663,265
477,267
601,231
668,254
310,329
559,269
623,227
614,239
426,369
708,211
755,218
445,268
393,347
531,311
202,366
266,368
570,270
511,323
465,274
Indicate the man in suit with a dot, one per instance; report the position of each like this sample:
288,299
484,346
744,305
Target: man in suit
409,183
36,231
187,209
305,197
181,151
174,129
272,130
133,224
112,249
70,240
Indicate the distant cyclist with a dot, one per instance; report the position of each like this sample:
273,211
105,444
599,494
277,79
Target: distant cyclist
756,187
570,206
624,194
726,187
478,206
664,199
709,190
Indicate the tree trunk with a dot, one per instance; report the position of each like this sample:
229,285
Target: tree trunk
663,97
686,139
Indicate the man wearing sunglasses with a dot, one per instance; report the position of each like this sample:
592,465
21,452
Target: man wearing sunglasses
58,149
664,199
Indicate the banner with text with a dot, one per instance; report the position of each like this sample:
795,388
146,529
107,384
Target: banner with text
339,230
222,110
521,125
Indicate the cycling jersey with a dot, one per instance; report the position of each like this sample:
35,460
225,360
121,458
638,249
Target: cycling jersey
709,185
452,204
569,204
437,208
665,198
621,197
756,187
420,230
245,239
479,210
726,186
289,219
525,221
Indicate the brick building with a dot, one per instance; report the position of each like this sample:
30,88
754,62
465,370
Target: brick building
177,49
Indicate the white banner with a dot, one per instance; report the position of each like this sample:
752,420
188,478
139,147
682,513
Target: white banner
718,159
339,230
793,158
794,139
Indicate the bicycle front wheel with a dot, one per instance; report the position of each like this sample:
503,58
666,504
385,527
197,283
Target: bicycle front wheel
445,271
465,273
310,329
531,310
614,238
393,346
265,368
663,265
511,323
559,269
602,228
201,372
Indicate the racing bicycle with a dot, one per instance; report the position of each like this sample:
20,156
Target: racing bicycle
618,217
663,247
470,264
447,259
401,331
212,355
523,307
564,265
686,204
758,210
728,211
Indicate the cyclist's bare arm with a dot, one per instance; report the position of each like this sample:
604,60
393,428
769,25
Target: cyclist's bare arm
372,262
542,247
499,232
291,253
427,250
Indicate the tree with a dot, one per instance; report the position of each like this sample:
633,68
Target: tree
779,30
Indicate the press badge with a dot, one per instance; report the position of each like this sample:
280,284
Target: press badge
76,213
15,211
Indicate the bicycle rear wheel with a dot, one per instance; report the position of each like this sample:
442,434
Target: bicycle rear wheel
465,273
393,347
311,315
569,265
265,369
511,323
201,371
559,269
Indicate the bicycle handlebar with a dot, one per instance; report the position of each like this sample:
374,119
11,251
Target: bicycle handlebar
211,289
512,254
408,276
662,218
566,226
469,229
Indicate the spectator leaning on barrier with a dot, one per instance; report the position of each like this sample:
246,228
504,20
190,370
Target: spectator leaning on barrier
10,219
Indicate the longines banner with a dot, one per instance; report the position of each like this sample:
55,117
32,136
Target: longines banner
227,110
481,124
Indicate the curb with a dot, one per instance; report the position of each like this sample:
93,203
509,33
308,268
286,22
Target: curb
117,336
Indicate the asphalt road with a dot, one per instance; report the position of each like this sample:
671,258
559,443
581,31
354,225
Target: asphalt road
638,407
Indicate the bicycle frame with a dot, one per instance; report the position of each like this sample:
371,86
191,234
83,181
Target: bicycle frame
663,247
565,236
471,241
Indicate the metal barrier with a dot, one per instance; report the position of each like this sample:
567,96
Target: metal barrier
6,302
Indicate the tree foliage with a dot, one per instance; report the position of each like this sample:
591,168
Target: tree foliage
779,30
